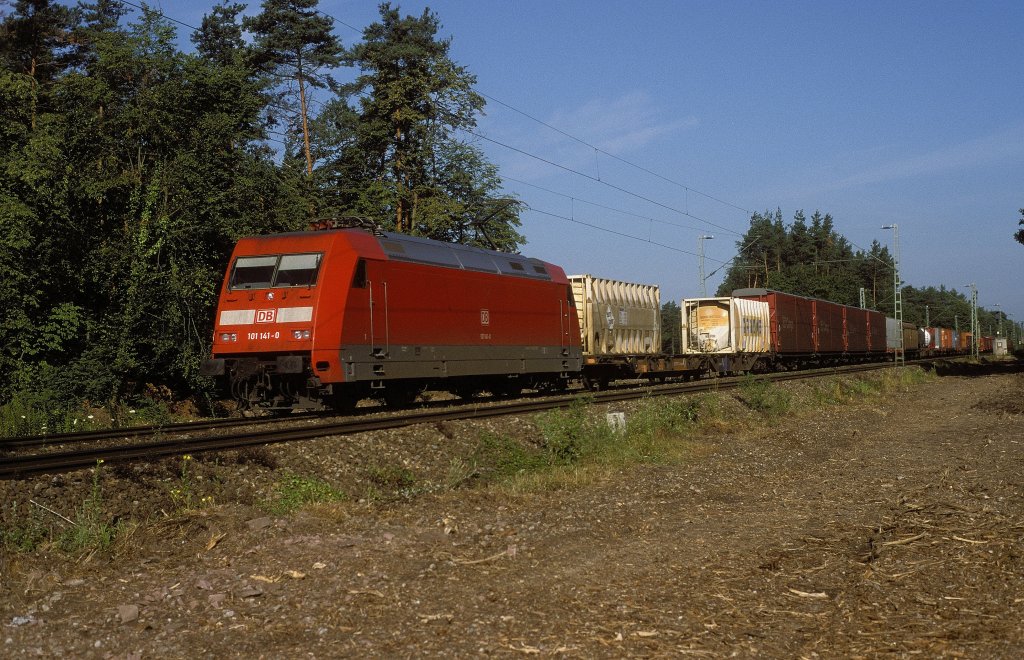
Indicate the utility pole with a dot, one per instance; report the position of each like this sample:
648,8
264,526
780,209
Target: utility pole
999,311
703,279
863,299
927,320
899,358
975,327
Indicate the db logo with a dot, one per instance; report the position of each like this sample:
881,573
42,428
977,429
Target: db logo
485,317
266,315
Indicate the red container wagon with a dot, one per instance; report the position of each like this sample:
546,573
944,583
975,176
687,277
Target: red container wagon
807,328
791,320
830,327
857,330
324,318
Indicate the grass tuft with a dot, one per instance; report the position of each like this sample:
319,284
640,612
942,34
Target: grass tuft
295,491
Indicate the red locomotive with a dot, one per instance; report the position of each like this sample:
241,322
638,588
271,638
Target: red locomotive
324,318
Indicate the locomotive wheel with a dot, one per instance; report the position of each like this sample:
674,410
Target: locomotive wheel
343,402
400,396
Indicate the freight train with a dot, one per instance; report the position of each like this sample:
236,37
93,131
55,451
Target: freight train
324,318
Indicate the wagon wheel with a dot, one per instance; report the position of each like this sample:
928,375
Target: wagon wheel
400,396
508,388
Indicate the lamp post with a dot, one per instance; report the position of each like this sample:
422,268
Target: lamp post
899,357
703,280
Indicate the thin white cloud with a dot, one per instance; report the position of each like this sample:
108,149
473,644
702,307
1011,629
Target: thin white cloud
1004,145
621,126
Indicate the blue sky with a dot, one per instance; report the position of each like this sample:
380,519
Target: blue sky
875,112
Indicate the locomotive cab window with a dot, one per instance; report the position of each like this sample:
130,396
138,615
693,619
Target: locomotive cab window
253,272
298,270
266,271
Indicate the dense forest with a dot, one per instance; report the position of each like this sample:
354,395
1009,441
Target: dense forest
130,167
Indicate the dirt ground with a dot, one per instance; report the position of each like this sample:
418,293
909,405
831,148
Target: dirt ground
885,527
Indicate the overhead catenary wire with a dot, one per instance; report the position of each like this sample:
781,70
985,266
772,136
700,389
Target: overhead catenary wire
604,183
612,231
613,156
600,206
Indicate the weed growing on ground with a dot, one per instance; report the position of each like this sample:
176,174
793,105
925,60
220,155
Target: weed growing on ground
765,397
295,491
90,530
32,534
834,391
575,443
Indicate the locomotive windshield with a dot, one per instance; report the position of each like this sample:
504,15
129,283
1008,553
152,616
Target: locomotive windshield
264,272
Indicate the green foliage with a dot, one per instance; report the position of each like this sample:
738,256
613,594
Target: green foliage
294,492
294,43
765,397
671,328
91,529
32,533
39,411
1019,235
577,436
395,157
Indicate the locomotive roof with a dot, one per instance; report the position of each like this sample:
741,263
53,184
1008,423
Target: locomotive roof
402,247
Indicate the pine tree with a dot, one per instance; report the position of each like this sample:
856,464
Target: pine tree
398,153
294,42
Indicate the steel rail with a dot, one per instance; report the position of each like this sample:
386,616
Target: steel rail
23,466
125,432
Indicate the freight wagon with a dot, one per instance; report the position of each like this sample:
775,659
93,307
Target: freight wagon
620,333
808,332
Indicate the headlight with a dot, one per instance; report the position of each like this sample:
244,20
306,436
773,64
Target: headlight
300,334
228,336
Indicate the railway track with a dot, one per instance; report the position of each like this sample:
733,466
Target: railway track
141,448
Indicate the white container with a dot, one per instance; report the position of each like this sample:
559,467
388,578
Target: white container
617,318
725,325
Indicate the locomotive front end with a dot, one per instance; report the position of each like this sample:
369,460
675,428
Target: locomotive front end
265,324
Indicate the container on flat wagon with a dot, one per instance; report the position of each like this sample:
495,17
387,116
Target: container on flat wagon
725,325
946,337
617,318
965,342
911,337
792,319
893,334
